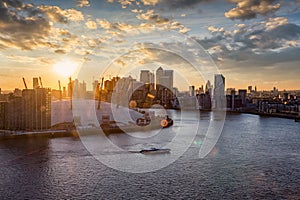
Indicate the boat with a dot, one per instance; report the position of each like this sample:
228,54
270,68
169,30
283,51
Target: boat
142,125
167,122
297,119
154,151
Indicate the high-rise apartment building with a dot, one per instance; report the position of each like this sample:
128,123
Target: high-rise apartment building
30,111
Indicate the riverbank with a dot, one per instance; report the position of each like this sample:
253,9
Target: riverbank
4,135
278,115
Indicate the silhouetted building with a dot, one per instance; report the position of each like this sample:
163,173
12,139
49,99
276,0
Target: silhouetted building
200,90
219,92
234,102
95,85
175,92
143,96
208,88
29,108
37,108
3,114
64,92
192,90
17,92
164,78
204,100
76,89
285,96
250,89
31,111
146,76
231,98
243,95
43,108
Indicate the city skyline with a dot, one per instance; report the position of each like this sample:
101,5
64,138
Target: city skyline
149,99
90,85
30,108
251,42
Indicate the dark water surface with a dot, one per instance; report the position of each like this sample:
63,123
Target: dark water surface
255,158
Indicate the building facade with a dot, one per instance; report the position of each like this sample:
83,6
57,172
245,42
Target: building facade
219,92
31,111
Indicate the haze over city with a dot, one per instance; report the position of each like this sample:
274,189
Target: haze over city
251,42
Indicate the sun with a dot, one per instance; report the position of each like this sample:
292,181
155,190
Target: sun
65,67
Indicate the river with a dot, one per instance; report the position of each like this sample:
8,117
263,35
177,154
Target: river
254,158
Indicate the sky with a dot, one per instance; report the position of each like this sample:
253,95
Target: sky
250,42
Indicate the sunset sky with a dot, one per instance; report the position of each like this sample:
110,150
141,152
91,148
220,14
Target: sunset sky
251,42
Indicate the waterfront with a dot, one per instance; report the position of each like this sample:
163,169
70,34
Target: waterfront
255,158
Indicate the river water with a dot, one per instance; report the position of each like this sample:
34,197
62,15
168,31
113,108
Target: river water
254,158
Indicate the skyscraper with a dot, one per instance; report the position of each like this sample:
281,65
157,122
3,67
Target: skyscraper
159,74
243,95
219,92
208,88
147,77
164,78
36,108
192,90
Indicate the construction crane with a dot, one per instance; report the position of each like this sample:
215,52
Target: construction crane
25,83
100,93
71,93
59,86
60,92
41,82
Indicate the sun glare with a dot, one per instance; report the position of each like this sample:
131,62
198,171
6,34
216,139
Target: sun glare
65,67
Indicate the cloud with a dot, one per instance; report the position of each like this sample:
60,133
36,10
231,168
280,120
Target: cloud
150,2
22,59
177,4
61,32
33,60
91,24
264,43
24,31
184,30
83,3
56,14
27,27
124,3
248,9
60,51
275,22
120,62
171,4
153,17
214,29
116,28
161,23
